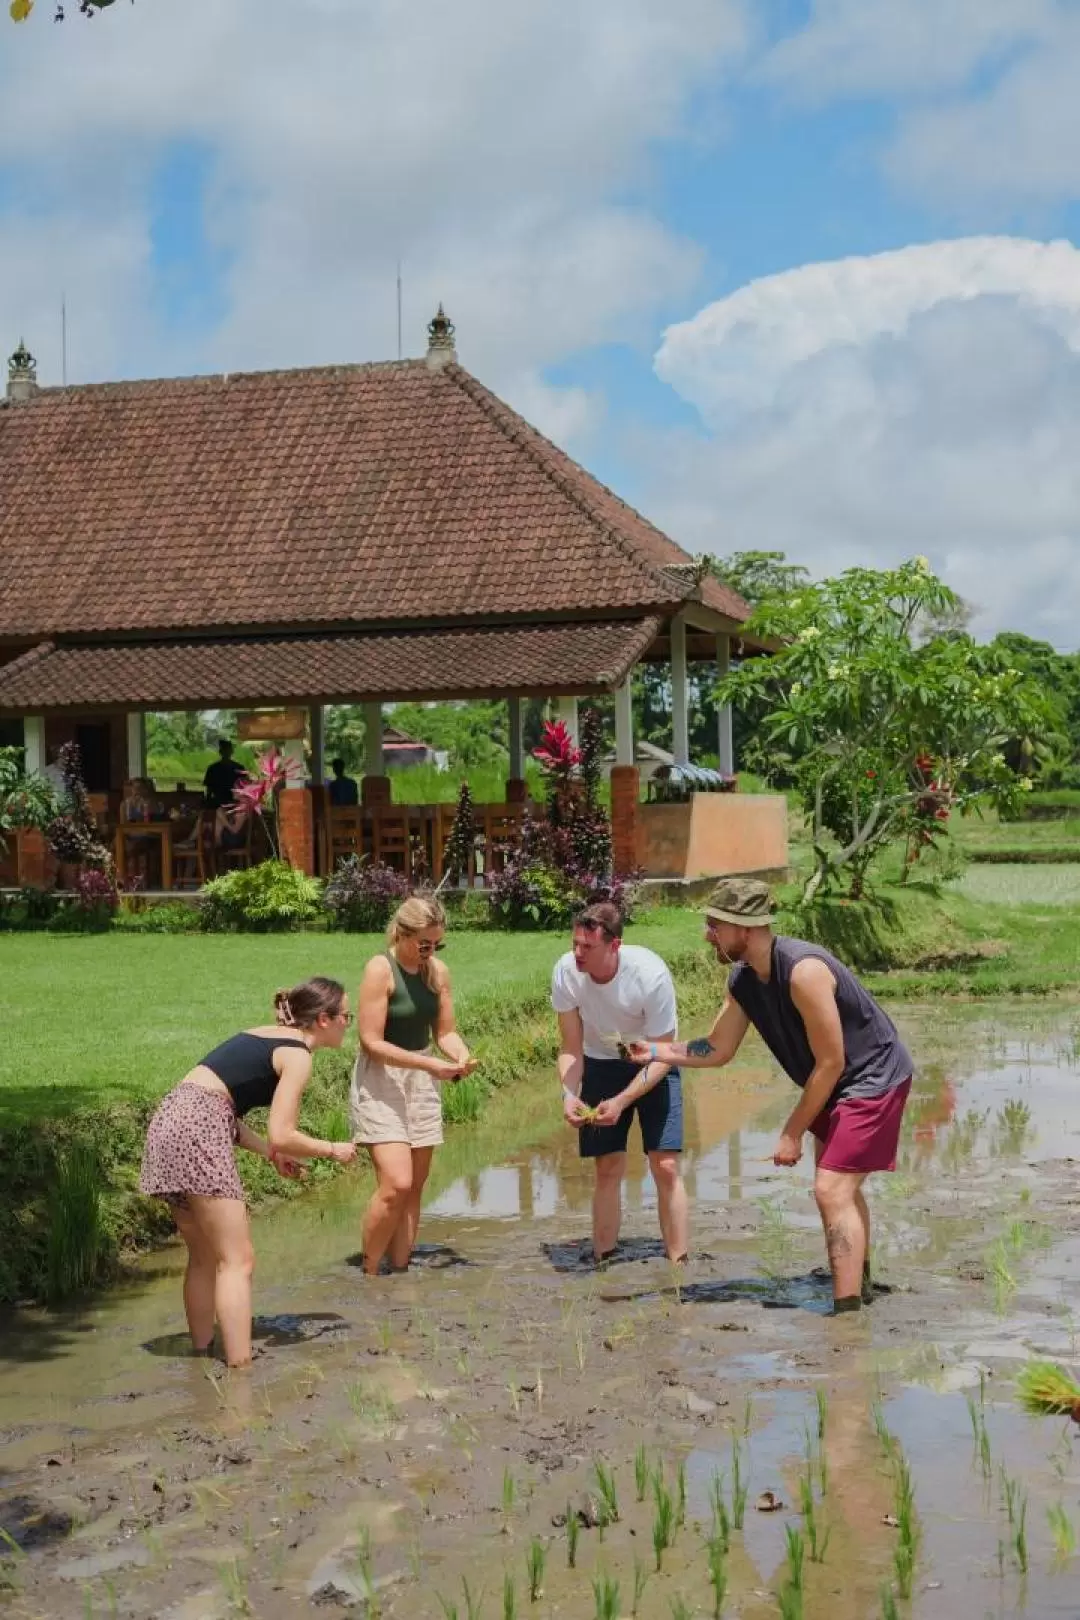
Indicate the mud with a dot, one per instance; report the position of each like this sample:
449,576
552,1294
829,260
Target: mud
400,1443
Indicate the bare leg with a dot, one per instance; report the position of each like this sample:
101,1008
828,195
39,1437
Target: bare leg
835,1192
673,1206
200,1280
223,1223
867,1278
404,1239
393,1163
607,1202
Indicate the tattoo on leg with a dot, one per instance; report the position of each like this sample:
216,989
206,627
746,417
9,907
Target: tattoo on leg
836,1240
699,1048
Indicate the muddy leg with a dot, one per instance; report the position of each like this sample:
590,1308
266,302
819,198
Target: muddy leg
200,1279
835,1193
404,1239
671,1199
393,1163
223,1222
607,1202
867,1288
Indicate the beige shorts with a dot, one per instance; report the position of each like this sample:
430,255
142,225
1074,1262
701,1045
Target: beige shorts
388,1103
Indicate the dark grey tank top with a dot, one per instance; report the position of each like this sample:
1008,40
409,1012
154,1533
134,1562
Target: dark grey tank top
876,1059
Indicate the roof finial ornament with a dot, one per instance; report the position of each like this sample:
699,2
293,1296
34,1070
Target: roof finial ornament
22,374
441,351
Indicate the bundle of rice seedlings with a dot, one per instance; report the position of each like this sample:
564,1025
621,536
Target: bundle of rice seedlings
1044,1387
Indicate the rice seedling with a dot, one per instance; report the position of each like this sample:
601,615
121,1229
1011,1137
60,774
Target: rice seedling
679,1611
881,1429
790,1603
907,1547
817,1538
680,1495
641,1579
1010,1495
535,1564
1063,1531
573,1533
747,1416
449,1607
509,1604
473,1605
509,1498
775,1241
721,1523
739,1487
515,1397
796,1555
1019,1528
980,1435
664,1526
605,1598
234,1585
1002,1278
1046,1388
364,1565
1013,1124
641,1473
372,1406
609,1496
718,1576
889,1611
821,1401
75,1223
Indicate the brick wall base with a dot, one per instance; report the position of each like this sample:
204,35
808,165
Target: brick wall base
296,829
625,789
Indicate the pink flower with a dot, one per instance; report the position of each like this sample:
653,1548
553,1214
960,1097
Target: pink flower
557,752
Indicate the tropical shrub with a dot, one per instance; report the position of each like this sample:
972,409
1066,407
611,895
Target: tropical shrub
265,899
72,832
25,801
362,894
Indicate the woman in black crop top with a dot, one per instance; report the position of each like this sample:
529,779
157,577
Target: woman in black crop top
188,1159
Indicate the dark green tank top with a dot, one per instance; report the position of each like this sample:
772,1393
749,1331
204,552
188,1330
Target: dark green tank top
412,1012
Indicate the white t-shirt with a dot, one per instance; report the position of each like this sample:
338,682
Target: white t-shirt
637,1004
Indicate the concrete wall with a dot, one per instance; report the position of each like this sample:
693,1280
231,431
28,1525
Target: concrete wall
713,835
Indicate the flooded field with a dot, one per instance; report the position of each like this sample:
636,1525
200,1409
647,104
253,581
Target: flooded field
506,1431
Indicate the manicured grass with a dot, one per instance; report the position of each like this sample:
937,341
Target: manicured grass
99,1018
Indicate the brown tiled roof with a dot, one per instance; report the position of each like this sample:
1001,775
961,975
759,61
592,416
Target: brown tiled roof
237,672
351,495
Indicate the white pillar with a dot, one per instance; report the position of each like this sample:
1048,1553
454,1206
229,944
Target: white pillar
567,711
374,764
726,746
318,743
34,743
517,751
680,715
624,722
136,746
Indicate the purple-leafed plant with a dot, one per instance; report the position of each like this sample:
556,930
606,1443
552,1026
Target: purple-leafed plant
362,894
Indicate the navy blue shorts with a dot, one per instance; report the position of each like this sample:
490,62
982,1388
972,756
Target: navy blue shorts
659,1112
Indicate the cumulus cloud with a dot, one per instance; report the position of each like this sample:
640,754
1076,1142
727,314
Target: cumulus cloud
484,144
925,401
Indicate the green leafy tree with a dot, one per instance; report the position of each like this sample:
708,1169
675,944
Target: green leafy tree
880,732
1055,753
759,576
25,801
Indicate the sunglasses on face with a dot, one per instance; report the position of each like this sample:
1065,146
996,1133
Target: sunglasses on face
343,1018
426,946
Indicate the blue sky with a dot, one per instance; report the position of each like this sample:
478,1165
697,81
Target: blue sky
797,275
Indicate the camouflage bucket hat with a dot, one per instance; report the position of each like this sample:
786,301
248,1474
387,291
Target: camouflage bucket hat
743,901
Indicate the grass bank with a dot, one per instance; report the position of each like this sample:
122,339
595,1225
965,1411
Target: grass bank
98,1028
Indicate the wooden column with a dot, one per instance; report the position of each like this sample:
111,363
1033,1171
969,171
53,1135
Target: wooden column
34,744
136,746
515,784
375,787
624,722
318,743
680,714
567,711
725,743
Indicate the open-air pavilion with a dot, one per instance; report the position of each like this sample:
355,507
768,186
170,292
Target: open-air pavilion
350,534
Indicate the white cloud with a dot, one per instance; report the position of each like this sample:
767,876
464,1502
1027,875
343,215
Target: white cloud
485,144
926,401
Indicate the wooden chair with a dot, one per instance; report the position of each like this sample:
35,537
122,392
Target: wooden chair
345,836
192,855
502,834
235,856
391,837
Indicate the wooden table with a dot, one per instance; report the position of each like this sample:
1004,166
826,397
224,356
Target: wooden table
163,831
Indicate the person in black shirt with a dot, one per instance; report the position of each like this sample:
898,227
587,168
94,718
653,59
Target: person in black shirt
219,783
343,790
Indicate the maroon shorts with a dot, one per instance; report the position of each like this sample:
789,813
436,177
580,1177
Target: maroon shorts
862,1134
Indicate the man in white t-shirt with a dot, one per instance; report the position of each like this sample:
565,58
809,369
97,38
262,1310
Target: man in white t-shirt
608,994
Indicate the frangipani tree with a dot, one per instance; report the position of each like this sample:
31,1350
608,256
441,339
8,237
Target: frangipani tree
19,10
885,734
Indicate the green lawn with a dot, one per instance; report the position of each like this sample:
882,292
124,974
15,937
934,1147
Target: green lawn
102,1017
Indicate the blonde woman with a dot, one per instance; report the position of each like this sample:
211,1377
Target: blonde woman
405,1009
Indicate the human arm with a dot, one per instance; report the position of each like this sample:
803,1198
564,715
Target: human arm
710,1051
253,1143
813,991
611,1109
571,1066
376,988
284,1139
446,1036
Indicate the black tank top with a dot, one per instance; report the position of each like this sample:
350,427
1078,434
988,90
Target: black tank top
245,1066
875,1058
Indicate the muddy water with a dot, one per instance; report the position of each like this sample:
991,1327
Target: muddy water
418,1432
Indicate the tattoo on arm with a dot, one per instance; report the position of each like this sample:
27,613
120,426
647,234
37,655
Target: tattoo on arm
699,1048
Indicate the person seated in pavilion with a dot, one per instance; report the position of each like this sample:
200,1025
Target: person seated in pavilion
343,790
219,790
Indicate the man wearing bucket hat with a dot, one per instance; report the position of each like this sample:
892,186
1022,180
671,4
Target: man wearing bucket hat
834,1040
